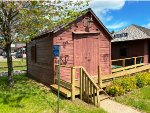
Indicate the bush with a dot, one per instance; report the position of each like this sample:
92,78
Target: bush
123,85
127,83
115,90
142,79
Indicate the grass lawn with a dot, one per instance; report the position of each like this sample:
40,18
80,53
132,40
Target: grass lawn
28,96
139,99
15,63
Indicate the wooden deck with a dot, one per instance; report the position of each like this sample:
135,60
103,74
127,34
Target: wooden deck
90,88
106,79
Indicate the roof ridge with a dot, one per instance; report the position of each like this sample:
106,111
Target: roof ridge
141,29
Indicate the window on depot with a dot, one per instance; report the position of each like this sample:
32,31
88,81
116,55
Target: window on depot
33,54
123,51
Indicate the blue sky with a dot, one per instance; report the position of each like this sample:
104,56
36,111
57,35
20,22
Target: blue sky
118,14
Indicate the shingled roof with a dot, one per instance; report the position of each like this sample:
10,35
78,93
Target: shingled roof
146,30
133,32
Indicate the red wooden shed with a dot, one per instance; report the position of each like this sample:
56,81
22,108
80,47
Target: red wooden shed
85,42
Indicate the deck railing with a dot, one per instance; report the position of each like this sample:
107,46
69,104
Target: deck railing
127,63
89,90
69,85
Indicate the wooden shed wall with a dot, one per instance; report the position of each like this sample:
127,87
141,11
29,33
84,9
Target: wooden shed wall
66,40
42,69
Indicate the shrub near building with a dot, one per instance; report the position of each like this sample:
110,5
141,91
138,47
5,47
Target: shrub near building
126,84
142,79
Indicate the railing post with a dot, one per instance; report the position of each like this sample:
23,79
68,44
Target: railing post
98,100
123,63
72,83
135,61
81,93
99,76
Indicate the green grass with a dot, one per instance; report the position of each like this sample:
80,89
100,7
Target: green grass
15,63
139,99
28,96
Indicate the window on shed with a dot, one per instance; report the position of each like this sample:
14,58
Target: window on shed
123,51
33,54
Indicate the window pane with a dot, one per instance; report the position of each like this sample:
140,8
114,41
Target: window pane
33,54
123,51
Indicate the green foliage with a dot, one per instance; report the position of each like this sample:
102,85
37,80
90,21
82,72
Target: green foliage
22,20
27,19
27,96
123,85
115,90
143,79
127,83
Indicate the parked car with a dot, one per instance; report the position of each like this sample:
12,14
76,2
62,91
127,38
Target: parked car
18,55
4,54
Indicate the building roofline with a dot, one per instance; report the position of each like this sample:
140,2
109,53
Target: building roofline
63,26
146,31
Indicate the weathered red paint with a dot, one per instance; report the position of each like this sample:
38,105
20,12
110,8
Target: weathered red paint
80,49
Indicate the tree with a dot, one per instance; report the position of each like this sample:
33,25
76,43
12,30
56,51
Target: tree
22,20
112,32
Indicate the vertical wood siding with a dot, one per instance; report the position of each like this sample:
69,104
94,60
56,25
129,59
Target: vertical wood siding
96,47
101,50
42,69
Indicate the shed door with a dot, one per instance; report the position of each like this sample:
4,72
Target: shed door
86,52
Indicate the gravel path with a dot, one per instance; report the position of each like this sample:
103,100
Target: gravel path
113,107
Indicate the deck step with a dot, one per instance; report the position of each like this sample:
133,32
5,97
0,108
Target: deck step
103,97
64,91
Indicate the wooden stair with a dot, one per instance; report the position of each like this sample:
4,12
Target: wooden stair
103,97
64,91
85,87
67,93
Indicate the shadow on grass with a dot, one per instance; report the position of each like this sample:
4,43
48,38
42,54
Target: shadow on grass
13,96
23,89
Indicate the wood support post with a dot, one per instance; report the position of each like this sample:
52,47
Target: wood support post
81,84
99,76
73,83
123,63
98,99
135,61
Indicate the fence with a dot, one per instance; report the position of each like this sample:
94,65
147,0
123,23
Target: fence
18,64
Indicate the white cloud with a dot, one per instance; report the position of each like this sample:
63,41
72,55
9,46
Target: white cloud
116,25
101,7
147,25
108,18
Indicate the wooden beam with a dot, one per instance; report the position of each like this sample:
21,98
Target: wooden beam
99,76
135,61
83,32
73,83
81,90
127,58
